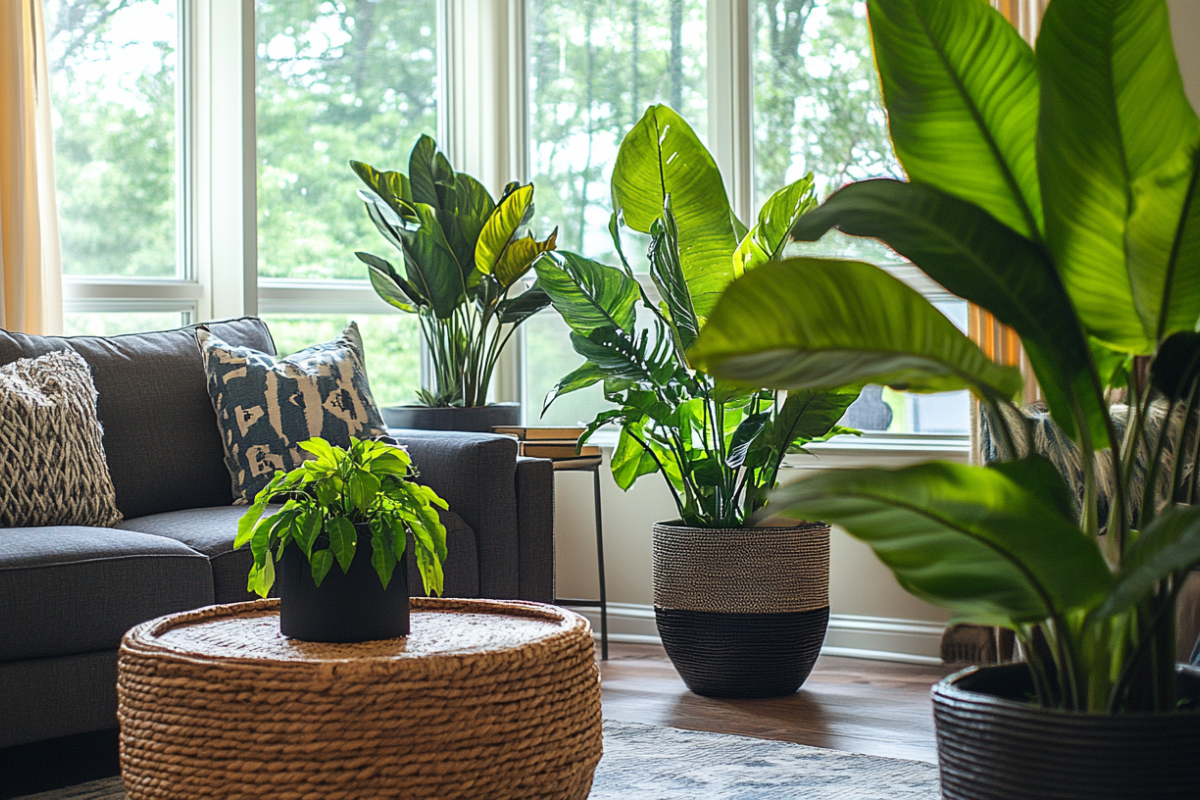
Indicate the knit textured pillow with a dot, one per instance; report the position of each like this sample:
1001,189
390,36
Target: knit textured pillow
267,405
52,466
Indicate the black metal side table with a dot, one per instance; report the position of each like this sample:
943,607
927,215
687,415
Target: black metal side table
591,465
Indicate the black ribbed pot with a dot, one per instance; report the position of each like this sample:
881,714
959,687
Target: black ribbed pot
480,419
742,612
346,607
994,745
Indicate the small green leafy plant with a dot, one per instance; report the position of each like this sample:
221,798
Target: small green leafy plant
370,483
463,256
719,446
1060,190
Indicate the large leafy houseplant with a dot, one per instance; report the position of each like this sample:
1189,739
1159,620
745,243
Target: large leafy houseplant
718,446
333,496
463,257
1057,190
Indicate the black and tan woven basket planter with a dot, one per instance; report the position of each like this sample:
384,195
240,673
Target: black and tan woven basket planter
742,612
993,745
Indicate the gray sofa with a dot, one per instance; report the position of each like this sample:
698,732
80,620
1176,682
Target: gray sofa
68,593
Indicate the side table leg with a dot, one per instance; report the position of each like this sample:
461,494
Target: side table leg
600,562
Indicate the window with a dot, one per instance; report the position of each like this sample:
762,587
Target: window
817,108
594,68
117,88
337,81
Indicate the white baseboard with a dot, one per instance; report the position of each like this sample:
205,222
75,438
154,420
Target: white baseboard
880,638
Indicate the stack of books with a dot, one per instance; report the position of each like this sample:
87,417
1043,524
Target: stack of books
553,443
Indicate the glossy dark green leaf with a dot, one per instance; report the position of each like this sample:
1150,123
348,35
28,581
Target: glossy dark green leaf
392,187
781,212
1113,114
660,157
473,208
825,324
321,561
516,310
961,90
974,256
342,540
1177,365
580,378
431,265
744,438
390,286
588,295
423,172
667,274
1169,545
976,540
382,557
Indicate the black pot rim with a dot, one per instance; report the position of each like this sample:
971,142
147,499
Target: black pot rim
947,689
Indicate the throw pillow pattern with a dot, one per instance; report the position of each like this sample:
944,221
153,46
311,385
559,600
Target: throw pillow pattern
52,465
267,405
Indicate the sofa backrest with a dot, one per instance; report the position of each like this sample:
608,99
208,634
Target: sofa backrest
160,431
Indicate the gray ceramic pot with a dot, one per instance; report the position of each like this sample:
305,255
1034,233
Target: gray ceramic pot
480,419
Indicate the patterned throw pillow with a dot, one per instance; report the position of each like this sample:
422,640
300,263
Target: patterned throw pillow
52,466
266,405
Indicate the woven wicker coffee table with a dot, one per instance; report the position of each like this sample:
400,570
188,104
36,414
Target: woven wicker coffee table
485,699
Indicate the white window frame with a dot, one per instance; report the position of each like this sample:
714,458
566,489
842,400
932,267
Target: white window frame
483,126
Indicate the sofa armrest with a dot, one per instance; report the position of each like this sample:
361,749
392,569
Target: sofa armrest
535,521
476,474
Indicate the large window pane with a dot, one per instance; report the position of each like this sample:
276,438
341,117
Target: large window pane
337,80
817,108
595,66
115,323
391,345
114,77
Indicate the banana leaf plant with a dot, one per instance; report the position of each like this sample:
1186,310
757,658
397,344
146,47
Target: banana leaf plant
719,447
1058,190
463,256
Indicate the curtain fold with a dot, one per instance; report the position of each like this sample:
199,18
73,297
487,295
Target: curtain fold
30,261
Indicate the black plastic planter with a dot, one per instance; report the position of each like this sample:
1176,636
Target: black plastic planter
742,612
346,607
480,419
994,745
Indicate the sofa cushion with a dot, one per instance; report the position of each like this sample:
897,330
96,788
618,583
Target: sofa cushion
75,589
52,467
211,531
160,434
267,406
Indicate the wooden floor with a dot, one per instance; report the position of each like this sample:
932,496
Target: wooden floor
877,708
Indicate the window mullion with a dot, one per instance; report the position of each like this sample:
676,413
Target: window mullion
731,100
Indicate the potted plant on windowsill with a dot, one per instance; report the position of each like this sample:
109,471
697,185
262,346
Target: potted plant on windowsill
1061,192
742,612
463,259
332,504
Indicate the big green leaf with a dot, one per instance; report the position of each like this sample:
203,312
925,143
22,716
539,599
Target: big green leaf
667,274
961,91
630,460
976,540
501,228
431,264
1113,112
393,187
1162,244
342,540
973,255
515,310
387,283
474,206
783,210
810,323
580,378
661,157
1170,544
519,256
588,295
429,173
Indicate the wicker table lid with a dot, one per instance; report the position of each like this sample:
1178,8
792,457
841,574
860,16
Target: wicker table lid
440,628
485,698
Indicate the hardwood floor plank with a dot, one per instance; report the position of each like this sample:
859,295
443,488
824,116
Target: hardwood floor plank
872,707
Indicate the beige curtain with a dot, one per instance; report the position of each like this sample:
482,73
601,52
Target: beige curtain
30,264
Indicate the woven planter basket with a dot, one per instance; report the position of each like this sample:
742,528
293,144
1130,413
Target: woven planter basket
483,699
993,746
742,612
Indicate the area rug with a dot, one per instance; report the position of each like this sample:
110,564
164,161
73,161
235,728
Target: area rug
648,762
